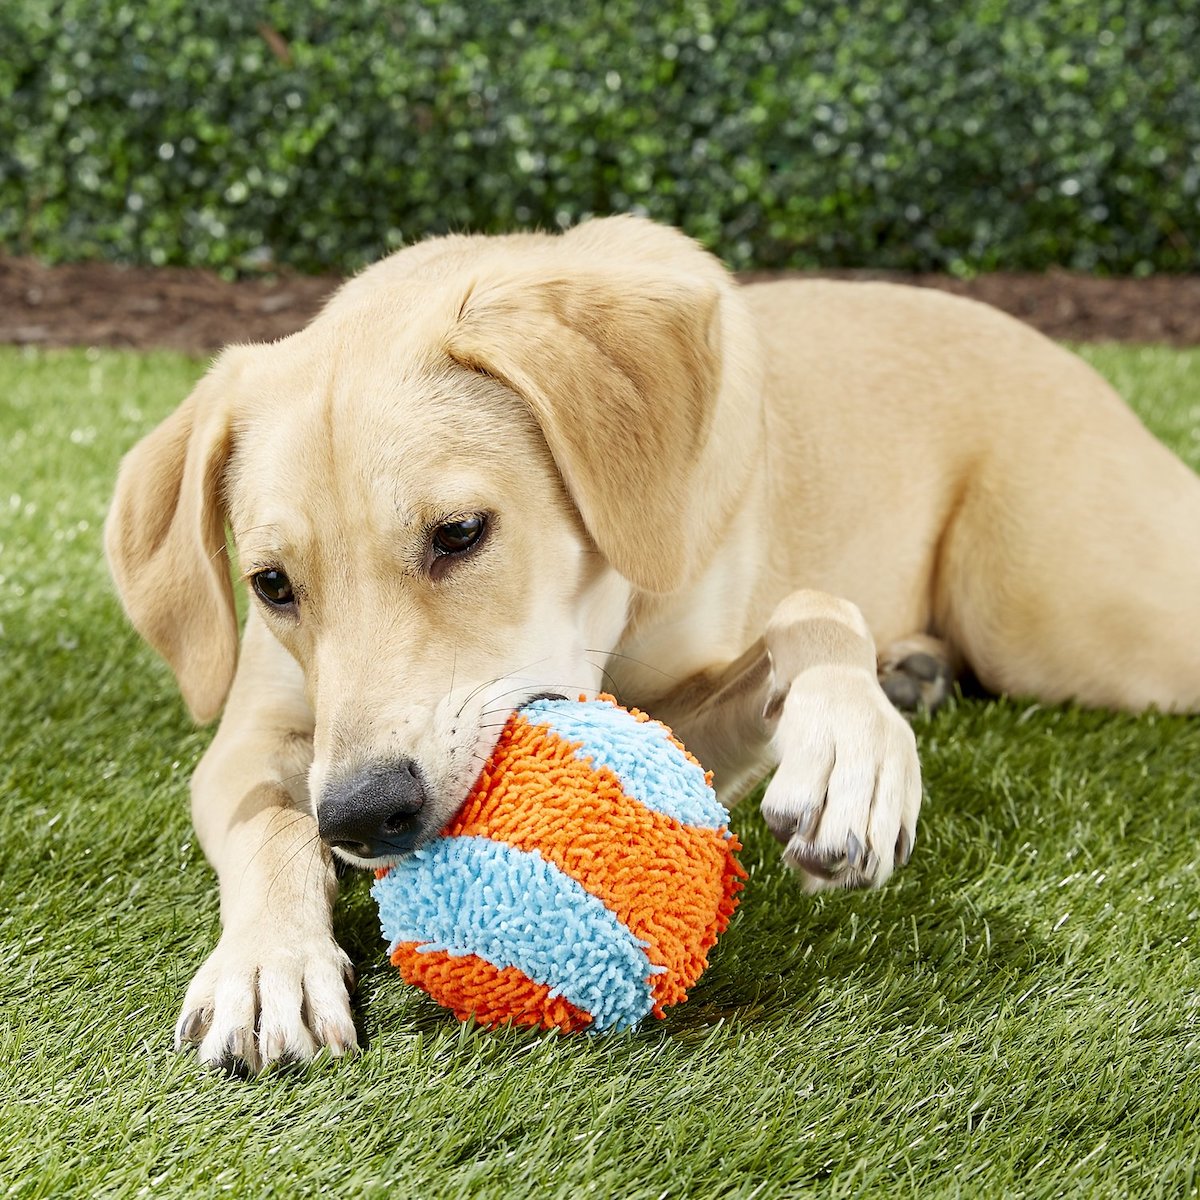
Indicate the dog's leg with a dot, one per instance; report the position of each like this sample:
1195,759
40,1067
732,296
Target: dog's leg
275,987
917,672
718,714
847,790
1071,567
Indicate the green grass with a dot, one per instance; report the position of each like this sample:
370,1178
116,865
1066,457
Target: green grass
1017,1014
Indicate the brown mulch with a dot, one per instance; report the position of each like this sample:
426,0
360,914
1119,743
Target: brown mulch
98,304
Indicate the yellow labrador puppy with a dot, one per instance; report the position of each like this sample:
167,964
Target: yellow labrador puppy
495,468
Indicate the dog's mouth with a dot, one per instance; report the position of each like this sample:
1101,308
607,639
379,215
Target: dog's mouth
381,855
394,839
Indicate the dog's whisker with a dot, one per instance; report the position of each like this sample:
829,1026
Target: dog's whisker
515,674
297,818
313,844
534,687
488,712
282,865
577,718
313,858
487,683
475,692
274,833
607,675
641,662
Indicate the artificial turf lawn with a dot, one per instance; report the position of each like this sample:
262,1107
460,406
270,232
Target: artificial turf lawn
1016,1014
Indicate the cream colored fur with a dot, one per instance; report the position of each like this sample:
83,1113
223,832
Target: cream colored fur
730,505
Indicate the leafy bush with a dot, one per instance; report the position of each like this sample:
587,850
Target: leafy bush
917,135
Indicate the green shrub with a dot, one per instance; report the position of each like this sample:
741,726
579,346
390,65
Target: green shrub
922,136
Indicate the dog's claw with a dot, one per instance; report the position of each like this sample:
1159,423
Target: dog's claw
855,853
810,818
337,1046
191,1028
904,847
240,1050
851,866
804,858
855,868
803,826
254,1004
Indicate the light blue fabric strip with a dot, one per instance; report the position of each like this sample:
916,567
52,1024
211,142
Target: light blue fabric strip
472,895
650,767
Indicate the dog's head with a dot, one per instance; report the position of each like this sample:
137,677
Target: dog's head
442,495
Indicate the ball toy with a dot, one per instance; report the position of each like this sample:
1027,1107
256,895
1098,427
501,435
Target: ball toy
581,885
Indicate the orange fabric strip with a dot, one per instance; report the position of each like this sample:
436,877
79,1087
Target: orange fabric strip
473,987
672,885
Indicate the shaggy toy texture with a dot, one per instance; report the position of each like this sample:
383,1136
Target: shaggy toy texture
582,884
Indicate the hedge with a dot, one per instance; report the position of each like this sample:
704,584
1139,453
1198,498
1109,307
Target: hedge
923,136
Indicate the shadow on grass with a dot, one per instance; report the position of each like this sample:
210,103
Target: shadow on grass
892,958
953,938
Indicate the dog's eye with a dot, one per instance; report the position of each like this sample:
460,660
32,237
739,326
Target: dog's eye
457,537
274,587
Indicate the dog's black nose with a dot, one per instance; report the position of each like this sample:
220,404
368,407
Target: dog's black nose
375,812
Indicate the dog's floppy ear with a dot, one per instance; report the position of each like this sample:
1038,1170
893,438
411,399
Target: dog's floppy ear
165,540
621,370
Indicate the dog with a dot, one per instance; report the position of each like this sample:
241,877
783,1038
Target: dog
494,468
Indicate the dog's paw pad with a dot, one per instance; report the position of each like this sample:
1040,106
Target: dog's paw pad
917,681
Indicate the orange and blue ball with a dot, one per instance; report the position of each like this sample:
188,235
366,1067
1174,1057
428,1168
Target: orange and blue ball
582,884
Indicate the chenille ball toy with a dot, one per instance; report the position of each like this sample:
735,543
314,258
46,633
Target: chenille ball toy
581,886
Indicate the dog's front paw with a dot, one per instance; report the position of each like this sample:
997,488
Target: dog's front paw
254,1003
845,796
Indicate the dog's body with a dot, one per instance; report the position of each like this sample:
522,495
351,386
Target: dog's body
497,467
